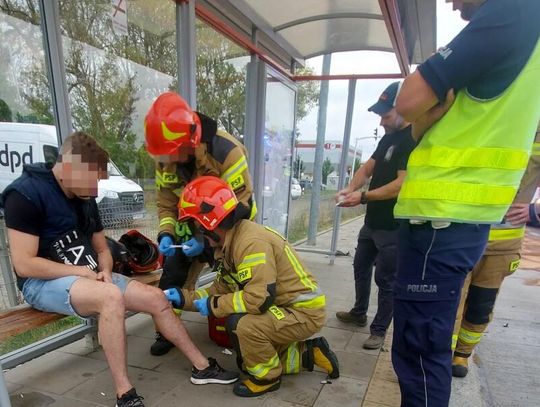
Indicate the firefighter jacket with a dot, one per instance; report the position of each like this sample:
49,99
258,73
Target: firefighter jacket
259,271
506,238
219,154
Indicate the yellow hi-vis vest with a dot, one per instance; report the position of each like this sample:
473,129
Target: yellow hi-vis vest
468,166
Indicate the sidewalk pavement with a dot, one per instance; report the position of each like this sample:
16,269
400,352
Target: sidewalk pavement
506,371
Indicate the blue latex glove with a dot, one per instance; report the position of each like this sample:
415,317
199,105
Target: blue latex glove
202,306
165,246
192,247
174,297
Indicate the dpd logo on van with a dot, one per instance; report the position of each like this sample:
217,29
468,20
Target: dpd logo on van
14,159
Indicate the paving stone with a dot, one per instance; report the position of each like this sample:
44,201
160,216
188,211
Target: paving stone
56,372
337,338
28,397
343,392
149,384
301,389
356,365
138,353
186,394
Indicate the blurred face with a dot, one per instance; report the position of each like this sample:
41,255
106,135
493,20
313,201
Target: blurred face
80,177
182,156
215,238
391,121
467,7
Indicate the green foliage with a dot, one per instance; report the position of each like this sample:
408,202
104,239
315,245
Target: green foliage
5,112
327,169
103,84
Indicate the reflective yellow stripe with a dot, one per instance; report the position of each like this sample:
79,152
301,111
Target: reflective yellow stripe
251,260
236,169
167,221
506,234
253,211
201,293
159,179
275,311
238,302
447,157
454,341
262,369
536,149
315,303
292,364
171,135
229,204
470,337
513,266
298,269
458,192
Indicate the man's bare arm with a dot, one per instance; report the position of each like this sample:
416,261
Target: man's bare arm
24,249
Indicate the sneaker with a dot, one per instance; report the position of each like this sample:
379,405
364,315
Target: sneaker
460,366
318,353
161,346
346,317
252,387
214,373
130,399
373,342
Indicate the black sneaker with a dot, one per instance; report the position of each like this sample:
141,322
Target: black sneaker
161,346
130,399
213,374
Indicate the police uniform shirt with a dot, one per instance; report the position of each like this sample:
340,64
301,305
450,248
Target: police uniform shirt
489,53
391,156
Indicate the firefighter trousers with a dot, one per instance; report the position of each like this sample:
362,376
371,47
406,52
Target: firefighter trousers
272,343
479,293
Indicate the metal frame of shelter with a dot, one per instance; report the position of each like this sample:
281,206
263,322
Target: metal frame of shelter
410,25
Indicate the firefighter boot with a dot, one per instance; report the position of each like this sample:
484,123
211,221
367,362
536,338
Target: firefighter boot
460,366
252,387
318,353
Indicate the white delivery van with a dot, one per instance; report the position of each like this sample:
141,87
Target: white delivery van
120,200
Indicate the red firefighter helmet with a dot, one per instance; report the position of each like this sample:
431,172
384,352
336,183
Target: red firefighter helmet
208,200
171,124
143,254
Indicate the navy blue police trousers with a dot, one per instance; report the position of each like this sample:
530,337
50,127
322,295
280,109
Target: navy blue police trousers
431,267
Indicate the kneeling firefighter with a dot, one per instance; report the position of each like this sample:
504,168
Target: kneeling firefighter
271,302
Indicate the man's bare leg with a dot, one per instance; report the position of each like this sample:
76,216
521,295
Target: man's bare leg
95,297
143,298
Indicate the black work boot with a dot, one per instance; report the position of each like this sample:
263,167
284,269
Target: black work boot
161,346
318,353
252,387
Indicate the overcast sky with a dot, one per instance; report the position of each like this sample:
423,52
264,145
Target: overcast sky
449,24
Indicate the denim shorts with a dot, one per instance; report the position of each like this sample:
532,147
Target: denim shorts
53,295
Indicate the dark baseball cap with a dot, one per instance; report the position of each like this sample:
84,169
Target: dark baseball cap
386,100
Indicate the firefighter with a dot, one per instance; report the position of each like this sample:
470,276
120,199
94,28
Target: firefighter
186,145
500,259
271,302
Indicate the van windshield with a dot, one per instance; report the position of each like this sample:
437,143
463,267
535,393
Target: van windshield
113,170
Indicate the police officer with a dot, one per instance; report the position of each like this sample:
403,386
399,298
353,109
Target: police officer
462,176
186,145
271,301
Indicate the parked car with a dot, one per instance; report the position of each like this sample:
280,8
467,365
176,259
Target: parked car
120,200
296,189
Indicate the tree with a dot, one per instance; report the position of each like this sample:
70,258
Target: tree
298,167
307,94
101,73
5,112
327,169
